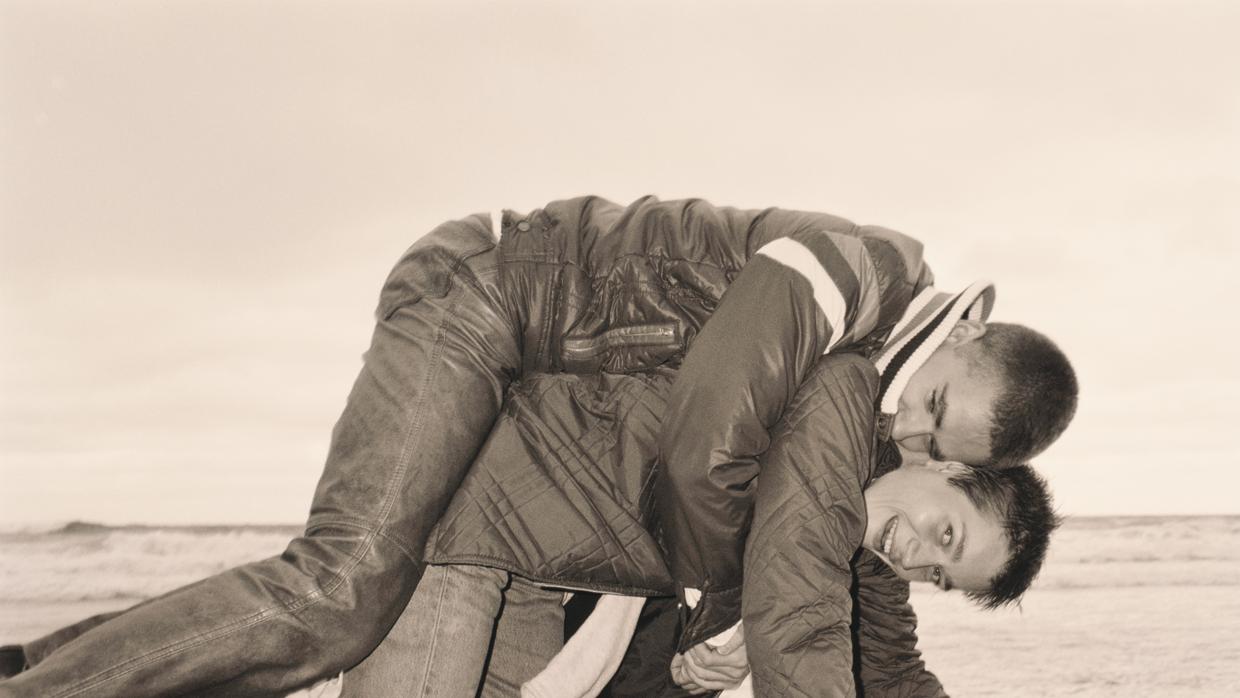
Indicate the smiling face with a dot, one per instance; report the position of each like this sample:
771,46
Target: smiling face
928,530
946,409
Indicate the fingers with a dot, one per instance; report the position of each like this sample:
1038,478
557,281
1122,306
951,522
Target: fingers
709,663
710,658
682,679
707,668
704,667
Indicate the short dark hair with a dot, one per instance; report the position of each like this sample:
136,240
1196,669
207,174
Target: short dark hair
1038,395
1021,501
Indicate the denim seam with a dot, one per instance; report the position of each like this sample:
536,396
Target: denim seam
368,528
321,591
400,544
170,650
430,655
416,423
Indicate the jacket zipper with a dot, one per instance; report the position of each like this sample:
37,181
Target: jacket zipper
637,335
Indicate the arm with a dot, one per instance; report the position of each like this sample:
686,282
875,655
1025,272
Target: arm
798,297
809,519
890,666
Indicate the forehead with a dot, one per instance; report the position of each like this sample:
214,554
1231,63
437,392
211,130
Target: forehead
970,395
986,543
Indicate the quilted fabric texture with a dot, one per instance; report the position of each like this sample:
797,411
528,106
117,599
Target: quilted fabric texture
560,491
809,520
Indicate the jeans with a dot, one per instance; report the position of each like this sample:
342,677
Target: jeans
444,350
467,628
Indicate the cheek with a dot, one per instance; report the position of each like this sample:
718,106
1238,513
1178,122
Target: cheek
906,575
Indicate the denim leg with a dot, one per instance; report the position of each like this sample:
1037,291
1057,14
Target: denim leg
442,355
528,634
465,624
36,650
439,645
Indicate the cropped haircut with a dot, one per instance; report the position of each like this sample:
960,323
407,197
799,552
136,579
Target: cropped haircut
1019,498
1037,395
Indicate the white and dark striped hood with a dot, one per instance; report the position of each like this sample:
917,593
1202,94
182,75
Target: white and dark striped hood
925,324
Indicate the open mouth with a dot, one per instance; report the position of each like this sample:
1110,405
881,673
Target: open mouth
889,535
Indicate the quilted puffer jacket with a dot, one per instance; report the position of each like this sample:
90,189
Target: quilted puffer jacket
560,494
594,286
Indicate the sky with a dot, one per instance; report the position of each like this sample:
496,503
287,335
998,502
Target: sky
199,202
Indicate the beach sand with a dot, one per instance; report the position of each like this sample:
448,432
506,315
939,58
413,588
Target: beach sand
1164,641
1109,643
1126,606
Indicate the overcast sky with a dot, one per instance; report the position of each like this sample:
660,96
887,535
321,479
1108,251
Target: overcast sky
199,201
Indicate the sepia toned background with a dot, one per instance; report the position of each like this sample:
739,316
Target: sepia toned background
199,202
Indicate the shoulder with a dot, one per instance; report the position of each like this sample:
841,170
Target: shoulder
838,383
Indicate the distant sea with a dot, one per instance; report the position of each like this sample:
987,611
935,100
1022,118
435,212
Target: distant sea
1125,605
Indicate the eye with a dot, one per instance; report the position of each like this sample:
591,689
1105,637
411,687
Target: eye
947,536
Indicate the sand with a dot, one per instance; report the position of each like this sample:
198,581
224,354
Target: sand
1126,606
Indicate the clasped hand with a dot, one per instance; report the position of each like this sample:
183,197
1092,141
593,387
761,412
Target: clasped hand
704,668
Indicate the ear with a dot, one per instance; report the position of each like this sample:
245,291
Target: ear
948,467
965,331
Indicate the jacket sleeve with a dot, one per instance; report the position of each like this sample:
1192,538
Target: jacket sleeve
798,297
890,665
809,520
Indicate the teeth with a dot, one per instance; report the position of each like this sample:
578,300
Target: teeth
889,536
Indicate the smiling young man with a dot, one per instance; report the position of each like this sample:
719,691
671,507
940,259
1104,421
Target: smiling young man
984,532
981,531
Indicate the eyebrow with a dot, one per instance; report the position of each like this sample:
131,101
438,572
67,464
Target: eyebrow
957,556
940,407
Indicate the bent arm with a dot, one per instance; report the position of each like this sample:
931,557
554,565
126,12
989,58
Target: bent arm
797,298
809,519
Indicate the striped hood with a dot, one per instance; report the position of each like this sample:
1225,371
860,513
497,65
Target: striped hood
920,331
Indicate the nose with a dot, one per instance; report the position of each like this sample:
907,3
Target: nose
908,424
917,555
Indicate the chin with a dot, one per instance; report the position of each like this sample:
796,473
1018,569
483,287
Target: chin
908,457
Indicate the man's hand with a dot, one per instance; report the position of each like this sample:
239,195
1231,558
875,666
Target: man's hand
705,668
